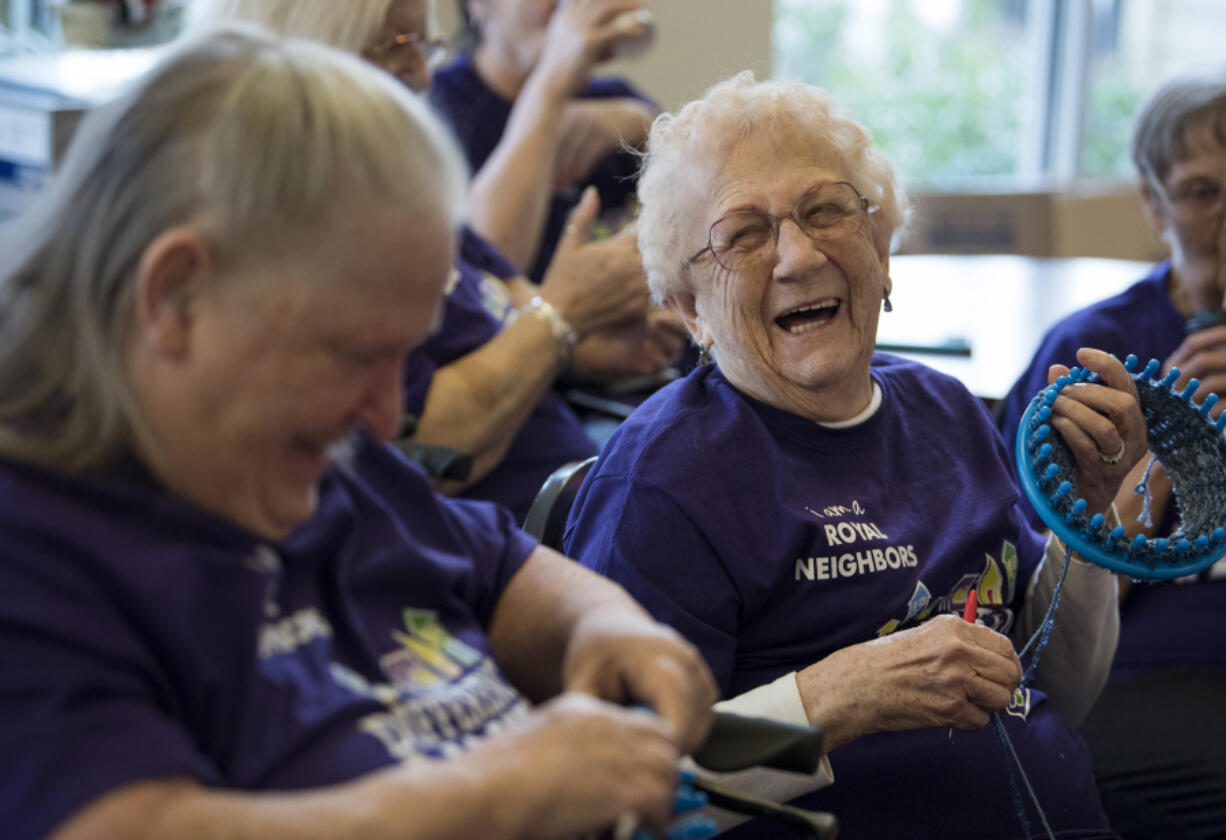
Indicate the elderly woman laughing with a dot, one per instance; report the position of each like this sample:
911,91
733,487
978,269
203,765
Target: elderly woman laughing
229,609
814,516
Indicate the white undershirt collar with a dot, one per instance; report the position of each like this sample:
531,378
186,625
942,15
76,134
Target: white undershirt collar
869,410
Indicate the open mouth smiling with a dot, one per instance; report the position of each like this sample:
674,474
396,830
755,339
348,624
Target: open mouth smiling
805,318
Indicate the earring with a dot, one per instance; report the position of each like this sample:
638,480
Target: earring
704,355
886,305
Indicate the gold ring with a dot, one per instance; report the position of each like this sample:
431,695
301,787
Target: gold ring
1112,459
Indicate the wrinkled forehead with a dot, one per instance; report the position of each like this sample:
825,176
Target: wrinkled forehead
764,170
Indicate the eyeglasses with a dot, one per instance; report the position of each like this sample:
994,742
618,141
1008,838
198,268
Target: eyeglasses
747,237
1194,198
432,51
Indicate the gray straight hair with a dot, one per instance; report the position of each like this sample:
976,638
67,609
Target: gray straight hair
255,141
349,25
1171,115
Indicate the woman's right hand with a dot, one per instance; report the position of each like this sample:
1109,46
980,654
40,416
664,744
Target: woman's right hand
595,285
945,672
577,764
583,33
1202,355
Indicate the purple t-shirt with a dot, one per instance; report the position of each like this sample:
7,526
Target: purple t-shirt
1163,624
476,308
772,542
142,638
478,117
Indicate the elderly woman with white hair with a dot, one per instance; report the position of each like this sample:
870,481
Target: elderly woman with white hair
815,516
230,609
483,383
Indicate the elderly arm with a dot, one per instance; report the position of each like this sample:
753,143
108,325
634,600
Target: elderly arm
945,672
511,193
526,782
479,402
560,626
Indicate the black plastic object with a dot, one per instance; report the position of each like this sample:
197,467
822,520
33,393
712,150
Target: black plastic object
737,742
817,825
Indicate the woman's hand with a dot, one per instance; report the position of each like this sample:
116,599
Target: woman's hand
583,33
946,672
622,657
1202,355
596,285
1102,425
593,129
577,764
637,349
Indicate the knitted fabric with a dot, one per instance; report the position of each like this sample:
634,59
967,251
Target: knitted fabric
1192,450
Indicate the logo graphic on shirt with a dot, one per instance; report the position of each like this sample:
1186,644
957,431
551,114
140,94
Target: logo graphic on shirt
857,546
442,694
1019,705
994,585
428,654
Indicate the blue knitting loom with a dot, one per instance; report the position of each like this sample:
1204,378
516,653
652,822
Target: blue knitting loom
1192,450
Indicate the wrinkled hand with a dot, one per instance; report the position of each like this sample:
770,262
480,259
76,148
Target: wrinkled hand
1202,355
626,658
636,349
596,285
577,764
583,33
1096,420
593,129
946,672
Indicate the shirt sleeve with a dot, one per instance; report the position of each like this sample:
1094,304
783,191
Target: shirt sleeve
479,542
633,532
83,710
489,534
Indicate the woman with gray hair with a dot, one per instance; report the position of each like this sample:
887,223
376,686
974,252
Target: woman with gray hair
817,517
230,609
1158,728
483,383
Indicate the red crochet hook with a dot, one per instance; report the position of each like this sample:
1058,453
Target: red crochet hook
971,610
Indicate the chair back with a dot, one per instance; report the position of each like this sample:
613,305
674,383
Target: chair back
546,519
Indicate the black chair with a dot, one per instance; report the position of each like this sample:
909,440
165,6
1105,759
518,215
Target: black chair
546,519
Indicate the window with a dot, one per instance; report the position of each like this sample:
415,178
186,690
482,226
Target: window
996,91
34,25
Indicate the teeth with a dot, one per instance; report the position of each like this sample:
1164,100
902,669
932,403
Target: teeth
817,307
799,328
830,304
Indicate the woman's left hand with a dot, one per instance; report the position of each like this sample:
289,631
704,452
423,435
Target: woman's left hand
1102,425
623,657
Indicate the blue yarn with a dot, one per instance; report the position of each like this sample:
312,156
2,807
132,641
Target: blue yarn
1038,641
1043,633
1017,799
1142,489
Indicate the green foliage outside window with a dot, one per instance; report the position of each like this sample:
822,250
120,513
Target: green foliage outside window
946,103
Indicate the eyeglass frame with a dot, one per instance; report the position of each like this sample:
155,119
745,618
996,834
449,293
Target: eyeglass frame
864,205
432,51
1174,200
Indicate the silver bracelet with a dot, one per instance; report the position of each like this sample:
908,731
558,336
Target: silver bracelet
563,333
